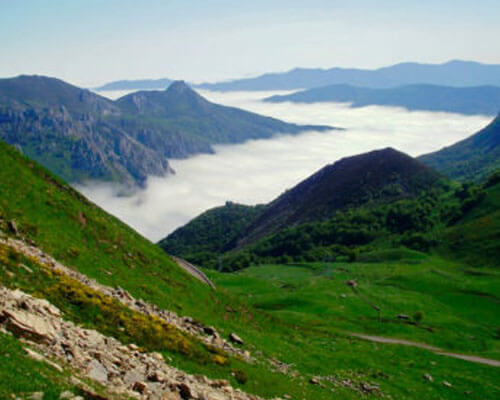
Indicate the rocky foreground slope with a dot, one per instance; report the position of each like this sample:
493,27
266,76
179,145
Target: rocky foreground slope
122,369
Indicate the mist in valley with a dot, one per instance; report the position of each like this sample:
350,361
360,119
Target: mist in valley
259,170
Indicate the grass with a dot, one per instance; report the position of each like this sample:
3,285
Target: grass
21,376
294,314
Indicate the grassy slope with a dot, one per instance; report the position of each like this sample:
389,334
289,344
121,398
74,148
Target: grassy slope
458,308
47,211
472,159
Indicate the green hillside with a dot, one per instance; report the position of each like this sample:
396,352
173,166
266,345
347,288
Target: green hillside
472,159
292,319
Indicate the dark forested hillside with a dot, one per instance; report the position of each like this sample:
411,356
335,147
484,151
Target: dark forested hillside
379,199
382,175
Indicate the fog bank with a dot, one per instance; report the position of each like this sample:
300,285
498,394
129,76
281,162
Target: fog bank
259,170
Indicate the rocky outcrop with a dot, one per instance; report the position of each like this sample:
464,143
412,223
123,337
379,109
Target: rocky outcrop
206,334
123,369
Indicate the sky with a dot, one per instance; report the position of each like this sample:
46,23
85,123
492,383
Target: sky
90,42
259,170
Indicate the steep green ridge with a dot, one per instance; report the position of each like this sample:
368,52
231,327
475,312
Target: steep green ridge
464,100
375,178
472,159
382,175
343,213
80,135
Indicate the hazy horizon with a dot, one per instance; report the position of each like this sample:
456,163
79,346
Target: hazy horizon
91,42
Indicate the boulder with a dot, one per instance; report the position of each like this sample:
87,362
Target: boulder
13,227
185,391
29,325
233,337
97,371
140,387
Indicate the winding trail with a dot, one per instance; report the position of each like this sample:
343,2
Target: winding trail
192,270
437,350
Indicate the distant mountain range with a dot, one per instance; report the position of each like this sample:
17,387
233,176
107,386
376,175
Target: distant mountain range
472,159
464,100
138,84
452,73
80,135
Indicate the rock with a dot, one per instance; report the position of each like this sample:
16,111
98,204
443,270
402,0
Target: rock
36,396
314,381
185,391
140,387
429,377
134,375
233,337
351,283
13,227
26,268
343,295
67,395
29,325
447,384
210,330
219,383
157,376
97,371
34,355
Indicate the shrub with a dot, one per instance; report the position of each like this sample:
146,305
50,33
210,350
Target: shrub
418,317
240,376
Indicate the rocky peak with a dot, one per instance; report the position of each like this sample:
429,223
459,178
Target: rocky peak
179,87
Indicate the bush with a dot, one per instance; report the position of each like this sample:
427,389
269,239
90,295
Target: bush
418,317
240,376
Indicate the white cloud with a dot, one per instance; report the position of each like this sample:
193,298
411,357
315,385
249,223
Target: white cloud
259,170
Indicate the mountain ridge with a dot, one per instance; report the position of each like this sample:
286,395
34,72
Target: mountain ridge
82,136
483,100
380,177
451,73
474,158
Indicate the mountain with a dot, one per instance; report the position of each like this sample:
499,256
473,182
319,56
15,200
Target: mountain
452,73
137,84
381,175
89,309
464,100
61,256
80,135
378,177
472,159
69,130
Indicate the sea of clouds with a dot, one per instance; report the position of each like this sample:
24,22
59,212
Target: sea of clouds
259,170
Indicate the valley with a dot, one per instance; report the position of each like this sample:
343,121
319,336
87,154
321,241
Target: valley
259,200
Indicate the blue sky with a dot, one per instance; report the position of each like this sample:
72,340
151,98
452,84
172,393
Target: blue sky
88,42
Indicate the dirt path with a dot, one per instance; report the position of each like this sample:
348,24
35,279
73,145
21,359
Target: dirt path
437,350
192,270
